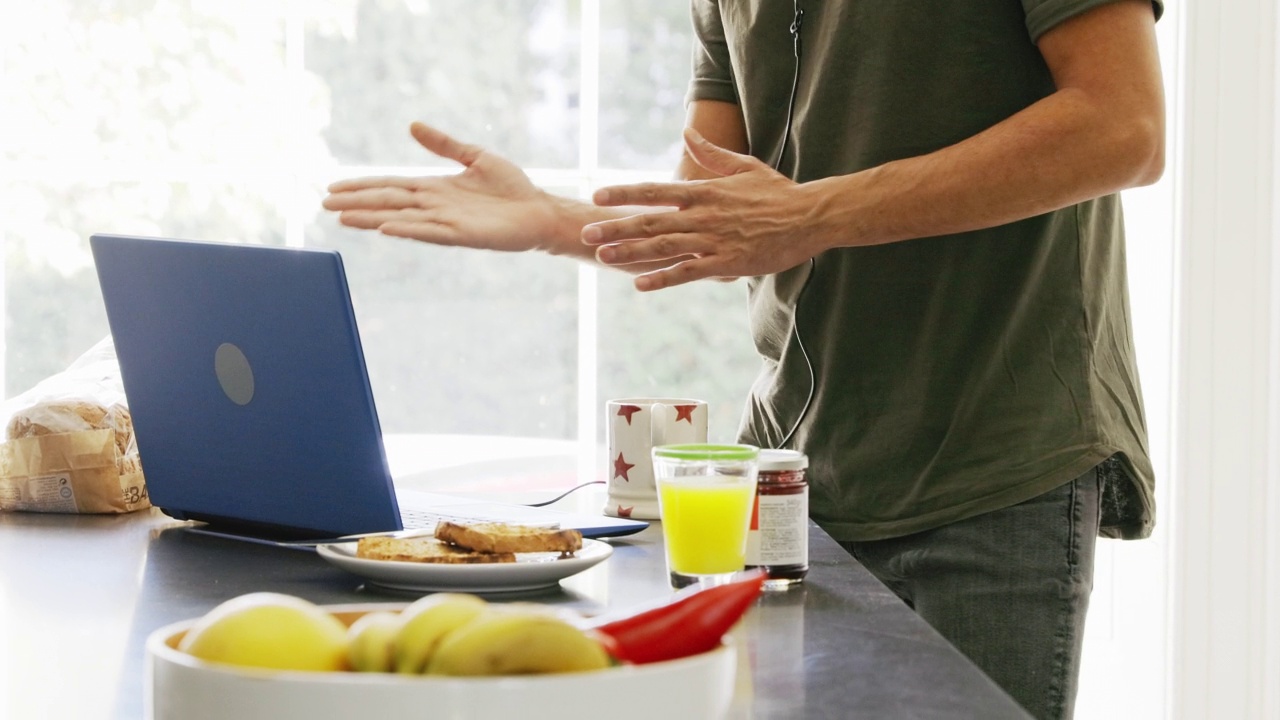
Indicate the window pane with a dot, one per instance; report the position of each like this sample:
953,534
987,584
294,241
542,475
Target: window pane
645,50
687,341
501,73
53,305
462,341
173,83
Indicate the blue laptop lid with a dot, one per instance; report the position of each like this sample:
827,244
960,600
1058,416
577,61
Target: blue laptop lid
245,377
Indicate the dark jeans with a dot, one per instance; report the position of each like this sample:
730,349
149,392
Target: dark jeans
1009,589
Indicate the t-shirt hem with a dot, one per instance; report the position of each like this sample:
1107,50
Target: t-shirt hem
862,532
1138,527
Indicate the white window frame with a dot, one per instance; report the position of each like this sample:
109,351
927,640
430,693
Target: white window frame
1225,570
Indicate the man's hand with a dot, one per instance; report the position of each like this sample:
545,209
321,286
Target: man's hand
741,222
491,204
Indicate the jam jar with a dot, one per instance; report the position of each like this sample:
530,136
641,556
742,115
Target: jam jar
778,538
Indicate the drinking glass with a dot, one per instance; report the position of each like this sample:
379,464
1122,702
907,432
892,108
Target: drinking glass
705,495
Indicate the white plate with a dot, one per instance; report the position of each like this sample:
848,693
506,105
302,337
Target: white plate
530,571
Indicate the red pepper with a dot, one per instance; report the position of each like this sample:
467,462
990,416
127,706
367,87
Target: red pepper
693,621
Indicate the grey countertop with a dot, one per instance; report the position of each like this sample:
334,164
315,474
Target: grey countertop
80,594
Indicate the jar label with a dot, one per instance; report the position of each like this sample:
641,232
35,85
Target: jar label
779,533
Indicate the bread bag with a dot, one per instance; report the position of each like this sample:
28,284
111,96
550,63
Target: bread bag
68,443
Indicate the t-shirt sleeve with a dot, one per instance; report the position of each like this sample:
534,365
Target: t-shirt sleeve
712,71
1043,15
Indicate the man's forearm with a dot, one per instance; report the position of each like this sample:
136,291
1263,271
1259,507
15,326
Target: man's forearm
1060,151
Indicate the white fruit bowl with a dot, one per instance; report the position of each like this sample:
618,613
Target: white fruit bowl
179,686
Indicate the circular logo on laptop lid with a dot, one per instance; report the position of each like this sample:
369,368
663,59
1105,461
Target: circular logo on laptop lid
234,374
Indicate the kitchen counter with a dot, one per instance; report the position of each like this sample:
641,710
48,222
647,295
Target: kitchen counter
79,595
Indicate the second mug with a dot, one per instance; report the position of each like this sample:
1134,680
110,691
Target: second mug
633,427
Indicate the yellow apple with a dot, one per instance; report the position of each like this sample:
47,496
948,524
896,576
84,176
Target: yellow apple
371,641
269,630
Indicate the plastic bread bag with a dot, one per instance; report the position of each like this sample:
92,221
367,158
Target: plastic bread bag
68,442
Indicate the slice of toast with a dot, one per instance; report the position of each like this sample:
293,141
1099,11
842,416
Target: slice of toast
501,537
424,550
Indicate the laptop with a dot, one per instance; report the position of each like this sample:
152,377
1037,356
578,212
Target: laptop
251,403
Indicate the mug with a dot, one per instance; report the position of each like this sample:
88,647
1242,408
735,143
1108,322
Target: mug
634,426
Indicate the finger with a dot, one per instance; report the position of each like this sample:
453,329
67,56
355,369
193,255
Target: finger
381,198
368,183
663,247
715,158
650,194
678,274
363,219
433,233
374,219
444,145
635,226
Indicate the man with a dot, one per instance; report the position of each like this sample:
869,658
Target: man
924,195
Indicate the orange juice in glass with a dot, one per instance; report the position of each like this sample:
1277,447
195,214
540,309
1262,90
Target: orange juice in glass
705,495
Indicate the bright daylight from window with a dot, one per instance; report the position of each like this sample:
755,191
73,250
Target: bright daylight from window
225,121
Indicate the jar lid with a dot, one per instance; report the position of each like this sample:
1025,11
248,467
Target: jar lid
773,460
705,452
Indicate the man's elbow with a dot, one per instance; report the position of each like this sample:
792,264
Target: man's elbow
1144,145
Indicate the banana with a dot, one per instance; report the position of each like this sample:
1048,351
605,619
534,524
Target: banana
517,642
426,622
371,642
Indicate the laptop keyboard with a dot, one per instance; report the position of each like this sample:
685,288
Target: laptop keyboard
415,518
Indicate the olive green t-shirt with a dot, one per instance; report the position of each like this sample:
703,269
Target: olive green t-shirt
951,375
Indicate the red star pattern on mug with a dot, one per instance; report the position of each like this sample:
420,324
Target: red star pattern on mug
627,411
685,412
621,467
625,512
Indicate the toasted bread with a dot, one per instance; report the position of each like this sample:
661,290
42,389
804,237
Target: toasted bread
424,550
500,537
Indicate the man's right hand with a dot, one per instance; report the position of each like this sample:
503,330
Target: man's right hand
491,204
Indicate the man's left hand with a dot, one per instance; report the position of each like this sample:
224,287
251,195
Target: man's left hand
748,220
